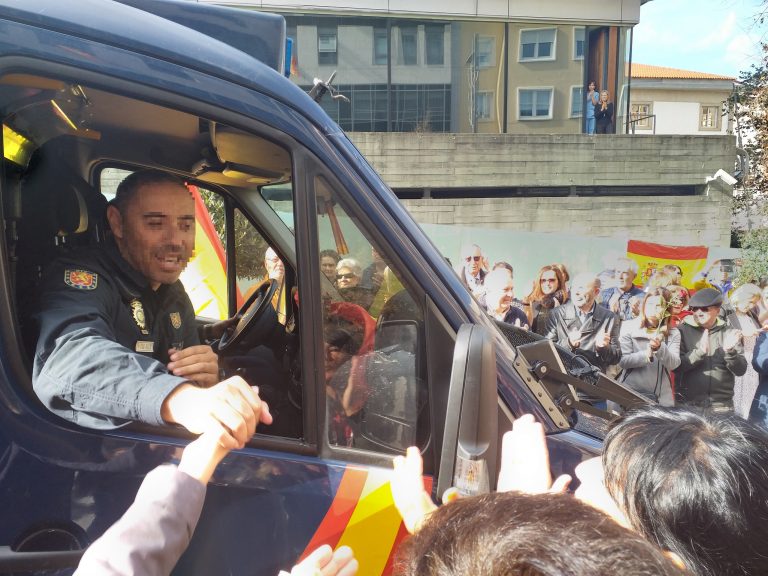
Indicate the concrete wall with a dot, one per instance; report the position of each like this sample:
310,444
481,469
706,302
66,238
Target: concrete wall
423,160
673,220
467,161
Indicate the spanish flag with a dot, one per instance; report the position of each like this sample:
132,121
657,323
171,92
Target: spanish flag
205,277
650,257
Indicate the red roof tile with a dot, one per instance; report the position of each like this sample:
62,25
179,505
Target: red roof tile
662,72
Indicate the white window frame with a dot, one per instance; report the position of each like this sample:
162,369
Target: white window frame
492,52
550,58
491,95
521,118
584,40
646,124
718,117
570,103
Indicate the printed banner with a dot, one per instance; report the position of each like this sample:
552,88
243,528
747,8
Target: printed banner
650,257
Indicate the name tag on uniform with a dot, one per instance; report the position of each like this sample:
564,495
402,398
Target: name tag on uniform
145,346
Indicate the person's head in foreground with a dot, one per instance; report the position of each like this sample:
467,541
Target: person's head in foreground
514,534
695,484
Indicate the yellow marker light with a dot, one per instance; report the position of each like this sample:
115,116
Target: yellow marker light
16,148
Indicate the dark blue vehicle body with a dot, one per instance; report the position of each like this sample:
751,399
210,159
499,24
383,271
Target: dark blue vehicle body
66,485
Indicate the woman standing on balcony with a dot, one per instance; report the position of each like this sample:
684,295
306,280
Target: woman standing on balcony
592,100
604,114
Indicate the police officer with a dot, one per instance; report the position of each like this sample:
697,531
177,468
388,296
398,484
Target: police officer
117,335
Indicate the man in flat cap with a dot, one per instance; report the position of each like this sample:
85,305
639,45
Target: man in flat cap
711,355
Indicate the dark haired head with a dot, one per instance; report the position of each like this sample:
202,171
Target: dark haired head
511,534
330,254
134,182
695,484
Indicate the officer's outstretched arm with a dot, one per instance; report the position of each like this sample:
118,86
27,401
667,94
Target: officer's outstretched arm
231,409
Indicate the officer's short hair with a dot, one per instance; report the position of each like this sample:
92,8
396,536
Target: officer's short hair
134,182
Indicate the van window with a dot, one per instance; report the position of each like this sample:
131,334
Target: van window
80,142
373,336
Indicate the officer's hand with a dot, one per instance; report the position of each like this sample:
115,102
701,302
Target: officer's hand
216,330
230,410
200,364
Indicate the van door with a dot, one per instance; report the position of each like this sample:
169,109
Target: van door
369,354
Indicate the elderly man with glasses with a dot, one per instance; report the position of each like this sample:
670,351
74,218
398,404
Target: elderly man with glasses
711,355
472,270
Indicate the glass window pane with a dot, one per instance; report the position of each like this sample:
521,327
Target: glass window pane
529,50
435,45
526,103
380,46
373,337
408,44
577,93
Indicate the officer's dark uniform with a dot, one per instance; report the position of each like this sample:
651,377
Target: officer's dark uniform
104,336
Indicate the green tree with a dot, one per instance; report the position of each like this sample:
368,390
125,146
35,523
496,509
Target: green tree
750,106
249,244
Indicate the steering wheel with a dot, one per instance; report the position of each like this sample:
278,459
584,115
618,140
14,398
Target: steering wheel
258,318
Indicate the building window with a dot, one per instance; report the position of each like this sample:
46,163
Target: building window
578,42
408,45
535,103
435,36
486,52
484,105
577,101
641,113
326,45
538,44
709,117
380,46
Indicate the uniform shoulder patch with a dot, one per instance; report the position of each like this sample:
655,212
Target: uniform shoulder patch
81,279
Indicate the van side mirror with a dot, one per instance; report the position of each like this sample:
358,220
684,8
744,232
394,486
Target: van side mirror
469,452
396,390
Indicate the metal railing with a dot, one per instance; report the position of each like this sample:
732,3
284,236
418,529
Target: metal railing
635,119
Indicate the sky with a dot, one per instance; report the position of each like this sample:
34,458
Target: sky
716,36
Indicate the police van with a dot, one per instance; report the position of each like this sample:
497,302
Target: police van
92,90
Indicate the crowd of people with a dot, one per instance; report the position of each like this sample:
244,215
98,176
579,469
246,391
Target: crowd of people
674,492
705,348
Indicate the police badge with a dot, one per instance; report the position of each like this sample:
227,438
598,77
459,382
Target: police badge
138,315
176,320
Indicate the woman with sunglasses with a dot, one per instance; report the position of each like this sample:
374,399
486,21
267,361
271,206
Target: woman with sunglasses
650,349
548,293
